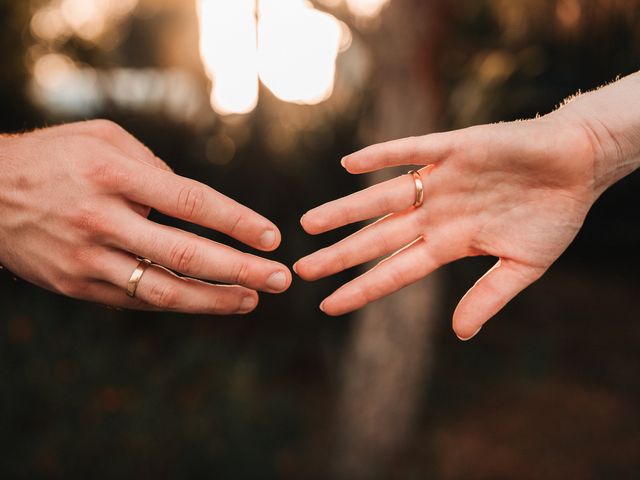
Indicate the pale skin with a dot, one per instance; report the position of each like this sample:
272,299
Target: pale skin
518,191
74,202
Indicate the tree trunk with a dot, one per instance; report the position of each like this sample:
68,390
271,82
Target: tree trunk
390,352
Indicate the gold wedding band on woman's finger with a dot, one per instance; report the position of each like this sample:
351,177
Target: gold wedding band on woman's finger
419,185
136,276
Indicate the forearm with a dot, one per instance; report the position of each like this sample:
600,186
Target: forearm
610,117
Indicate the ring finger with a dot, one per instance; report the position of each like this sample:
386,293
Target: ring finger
395,195
163,290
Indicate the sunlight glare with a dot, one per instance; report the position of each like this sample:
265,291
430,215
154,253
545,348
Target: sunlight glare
288,44
87,18
366,8
228,49
49,24
298,47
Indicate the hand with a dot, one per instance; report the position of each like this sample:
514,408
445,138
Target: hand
517,191
74,202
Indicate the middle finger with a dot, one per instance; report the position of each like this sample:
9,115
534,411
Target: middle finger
380,238
159,289
198,257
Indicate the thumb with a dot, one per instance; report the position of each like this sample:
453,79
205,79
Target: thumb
490,294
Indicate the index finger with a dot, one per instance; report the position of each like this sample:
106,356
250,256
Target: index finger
422,150
194,202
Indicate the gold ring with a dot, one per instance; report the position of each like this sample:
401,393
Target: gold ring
136,276
417,179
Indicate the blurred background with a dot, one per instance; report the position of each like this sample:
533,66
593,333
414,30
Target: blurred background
260,99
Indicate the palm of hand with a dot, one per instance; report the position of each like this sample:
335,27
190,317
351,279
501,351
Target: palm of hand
518,192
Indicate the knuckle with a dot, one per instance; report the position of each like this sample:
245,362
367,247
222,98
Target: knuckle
383,203
241,274
190,202
107,128
217,306
382,243
397,280
363,296
140,305
166,297
83,262
344,214
225,304
185,257
106,174
237,222
91,223
342,258
70,288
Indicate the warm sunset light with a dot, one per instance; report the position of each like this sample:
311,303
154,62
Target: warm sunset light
366,8
228,48
298,46
86,18
288,44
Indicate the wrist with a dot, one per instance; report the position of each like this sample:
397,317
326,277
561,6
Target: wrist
616,153
608,121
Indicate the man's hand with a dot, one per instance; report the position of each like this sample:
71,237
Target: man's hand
74,202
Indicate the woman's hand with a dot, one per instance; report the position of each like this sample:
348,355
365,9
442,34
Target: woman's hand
74,202
516,191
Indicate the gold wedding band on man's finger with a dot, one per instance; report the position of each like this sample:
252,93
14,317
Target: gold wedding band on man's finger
155,286
136,276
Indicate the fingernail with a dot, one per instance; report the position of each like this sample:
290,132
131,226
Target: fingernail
268,239
469,338
247,304
277,281
295,268
322,307
343,162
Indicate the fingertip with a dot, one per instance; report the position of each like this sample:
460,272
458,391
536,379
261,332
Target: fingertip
279,281
300,269
303,221
349,163
322,307
329,308
466,324
289,279
465,337
270,239
304,268
249,303
310,223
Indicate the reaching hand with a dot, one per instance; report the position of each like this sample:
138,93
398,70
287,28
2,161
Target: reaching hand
516,191
74,202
